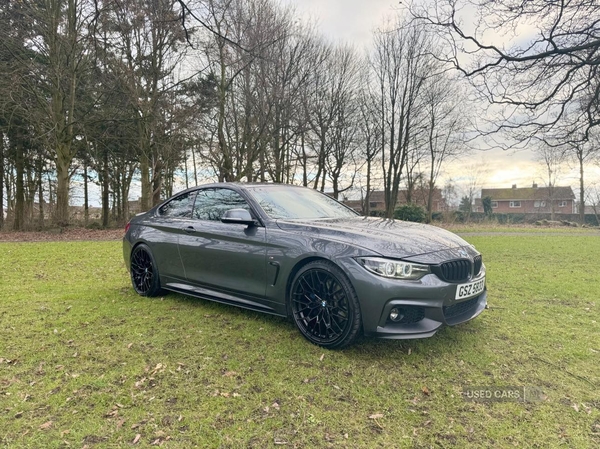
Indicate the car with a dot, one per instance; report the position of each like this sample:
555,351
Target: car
295,252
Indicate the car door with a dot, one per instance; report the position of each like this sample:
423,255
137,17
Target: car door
166,228
223,257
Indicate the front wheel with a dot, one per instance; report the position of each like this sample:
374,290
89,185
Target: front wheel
324,305
144,272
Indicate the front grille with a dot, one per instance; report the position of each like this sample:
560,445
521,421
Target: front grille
457,270
476,265
460,308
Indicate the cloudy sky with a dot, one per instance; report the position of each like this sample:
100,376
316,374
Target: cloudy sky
353,21
347,20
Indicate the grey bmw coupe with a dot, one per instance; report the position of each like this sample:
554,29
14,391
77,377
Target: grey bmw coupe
295,252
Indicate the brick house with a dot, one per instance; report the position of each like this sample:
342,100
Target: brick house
530,200
419,197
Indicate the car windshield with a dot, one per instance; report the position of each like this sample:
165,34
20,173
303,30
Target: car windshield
280,202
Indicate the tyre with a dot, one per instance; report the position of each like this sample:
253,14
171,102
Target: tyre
324,305
144,272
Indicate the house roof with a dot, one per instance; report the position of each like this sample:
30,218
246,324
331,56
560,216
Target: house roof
529,193
419,194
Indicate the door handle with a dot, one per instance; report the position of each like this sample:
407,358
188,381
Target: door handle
188,230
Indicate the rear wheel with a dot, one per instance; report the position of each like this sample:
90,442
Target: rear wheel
324,305
144,272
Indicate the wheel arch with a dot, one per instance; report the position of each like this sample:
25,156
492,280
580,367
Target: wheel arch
297,267
136,244
349,334
155,289
292,275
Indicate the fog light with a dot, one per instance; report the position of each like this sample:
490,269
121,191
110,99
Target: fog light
395,314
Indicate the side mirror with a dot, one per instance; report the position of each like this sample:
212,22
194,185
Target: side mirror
239,216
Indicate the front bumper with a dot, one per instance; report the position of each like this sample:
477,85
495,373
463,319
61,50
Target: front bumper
425,318
425,305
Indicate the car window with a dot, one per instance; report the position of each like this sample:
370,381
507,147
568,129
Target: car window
179,207
283,202
211,204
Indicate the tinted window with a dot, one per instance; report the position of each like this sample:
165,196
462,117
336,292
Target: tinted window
180,206
298,203
211,204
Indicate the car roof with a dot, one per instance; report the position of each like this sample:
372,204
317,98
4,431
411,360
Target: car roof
241,184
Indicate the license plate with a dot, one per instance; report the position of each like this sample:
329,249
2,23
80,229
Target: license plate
470,289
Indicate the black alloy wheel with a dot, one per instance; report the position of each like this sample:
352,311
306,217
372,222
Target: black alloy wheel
324,305
144,272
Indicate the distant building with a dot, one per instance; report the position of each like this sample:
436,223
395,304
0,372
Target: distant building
135,206
418,197
530,200
78,213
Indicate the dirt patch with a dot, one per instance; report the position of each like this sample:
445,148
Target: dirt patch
62,235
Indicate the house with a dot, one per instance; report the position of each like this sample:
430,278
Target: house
530,200
418,197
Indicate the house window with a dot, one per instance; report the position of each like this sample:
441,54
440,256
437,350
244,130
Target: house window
514,204
539,204
494,204
562,204
372,204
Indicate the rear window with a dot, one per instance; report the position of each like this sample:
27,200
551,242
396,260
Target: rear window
178,207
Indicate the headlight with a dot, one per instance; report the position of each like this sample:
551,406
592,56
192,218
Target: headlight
396,269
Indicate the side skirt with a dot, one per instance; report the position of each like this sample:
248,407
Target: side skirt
223,298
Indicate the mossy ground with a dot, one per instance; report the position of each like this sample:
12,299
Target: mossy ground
86,362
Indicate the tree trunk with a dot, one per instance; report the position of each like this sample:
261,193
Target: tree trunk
105,190
116,209
63,164
367,206
40,185
581,188
86,205
125,183
430,202
145,181
156,185
50,194
185,165
19,191
1,180
195,169
321,159
304,162
227,164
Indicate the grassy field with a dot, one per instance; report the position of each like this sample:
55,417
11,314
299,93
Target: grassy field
86,362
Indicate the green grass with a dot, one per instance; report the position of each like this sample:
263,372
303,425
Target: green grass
84,361
470,228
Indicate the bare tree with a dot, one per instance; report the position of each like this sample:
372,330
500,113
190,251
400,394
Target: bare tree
553,159
146,41
331,112
446,117
56,30
473,181
400,63
257,84
370,134
549,83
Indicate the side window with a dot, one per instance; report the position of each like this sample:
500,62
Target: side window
179,207
211,204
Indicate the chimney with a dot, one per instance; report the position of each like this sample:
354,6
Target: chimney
534,185
514,186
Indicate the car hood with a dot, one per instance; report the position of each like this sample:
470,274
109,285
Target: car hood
389,238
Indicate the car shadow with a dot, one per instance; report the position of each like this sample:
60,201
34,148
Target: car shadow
366,348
